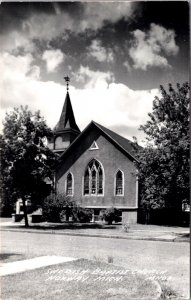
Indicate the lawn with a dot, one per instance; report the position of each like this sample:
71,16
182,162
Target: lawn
13,256
10,257
82,280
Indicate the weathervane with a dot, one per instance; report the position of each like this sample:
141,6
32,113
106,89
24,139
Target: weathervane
67,79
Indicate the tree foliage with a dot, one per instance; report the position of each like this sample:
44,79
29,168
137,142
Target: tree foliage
59,207
164,162
26,161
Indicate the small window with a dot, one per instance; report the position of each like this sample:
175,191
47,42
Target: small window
119,183
58,142
94,146
69,185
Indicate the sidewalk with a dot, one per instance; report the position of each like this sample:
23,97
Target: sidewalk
32,263
136,232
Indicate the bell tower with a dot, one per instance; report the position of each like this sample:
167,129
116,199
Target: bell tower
66,129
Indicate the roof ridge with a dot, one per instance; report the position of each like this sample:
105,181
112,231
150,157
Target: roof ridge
109,132
122,142
113,132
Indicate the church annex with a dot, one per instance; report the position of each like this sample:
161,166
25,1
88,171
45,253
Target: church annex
96,166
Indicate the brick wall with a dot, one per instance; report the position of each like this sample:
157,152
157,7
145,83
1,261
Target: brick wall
111,159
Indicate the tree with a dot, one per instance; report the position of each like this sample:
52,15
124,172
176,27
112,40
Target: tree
26,161
164,162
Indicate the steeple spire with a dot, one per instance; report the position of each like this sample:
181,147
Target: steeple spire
67,119
67,79
66,129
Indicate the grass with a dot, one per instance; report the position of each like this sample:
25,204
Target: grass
10,257
110,259
70,226
168,293
13,256
81,280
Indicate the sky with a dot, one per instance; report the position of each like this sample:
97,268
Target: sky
116,54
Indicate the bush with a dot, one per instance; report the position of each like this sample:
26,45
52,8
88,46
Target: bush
84,215
126,227
63,217
56,206
110,215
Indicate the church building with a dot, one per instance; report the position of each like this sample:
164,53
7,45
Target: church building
96,166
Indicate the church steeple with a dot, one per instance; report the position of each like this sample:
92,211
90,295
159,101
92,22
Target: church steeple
67,119
66,129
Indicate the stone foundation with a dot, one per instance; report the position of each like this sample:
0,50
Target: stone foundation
129,217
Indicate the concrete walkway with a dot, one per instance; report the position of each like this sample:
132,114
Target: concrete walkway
31,264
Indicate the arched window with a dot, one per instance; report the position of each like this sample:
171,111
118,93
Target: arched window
69,184
119,183
93,179
58,142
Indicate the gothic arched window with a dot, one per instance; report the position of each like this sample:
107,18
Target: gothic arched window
119,183
69,184
93,179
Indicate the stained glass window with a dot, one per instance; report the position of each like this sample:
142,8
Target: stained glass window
69,184
119,183
93,179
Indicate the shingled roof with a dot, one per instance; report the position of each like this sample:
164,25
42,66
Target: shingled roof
67,119
124,144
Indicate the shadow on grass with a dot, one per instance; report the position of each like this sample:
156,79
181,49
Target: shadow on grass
9,256
183,235
71,226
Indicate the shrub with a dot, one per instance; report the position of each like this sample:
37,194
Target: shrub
126,227
111,214
167,292
83,215
50,210
63,216
56,206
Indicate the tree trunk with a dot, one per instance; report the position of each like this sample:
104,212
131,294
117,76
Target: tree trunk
147,215
25,213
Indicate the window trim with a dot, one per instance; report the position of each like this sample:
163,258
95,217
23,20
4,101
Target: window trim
137,187
123,183
94,148
69,195
103,180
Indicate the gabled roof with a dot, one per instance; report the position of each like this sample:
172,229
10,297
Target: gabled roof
122,143
67,119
